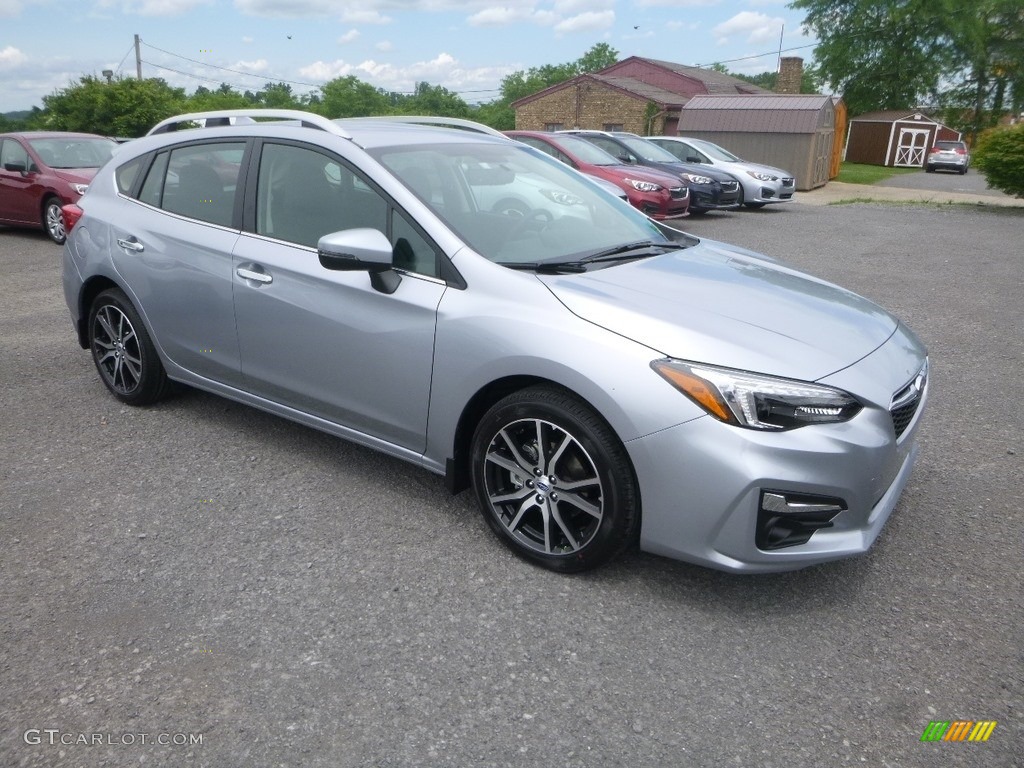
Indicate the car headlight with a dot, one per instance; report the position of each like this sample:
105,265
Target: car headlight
694,178
644,186
756,401
80,188
560,197
762,176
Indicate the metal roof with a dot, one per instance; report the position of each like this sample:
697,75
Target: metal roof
754,114
716,82
891,116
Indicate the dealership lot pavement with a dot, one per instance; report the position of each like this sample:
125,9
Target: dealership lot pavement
199,584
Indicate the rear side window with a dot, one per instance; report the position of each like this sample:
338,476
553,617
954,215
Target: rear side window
200,182
126,175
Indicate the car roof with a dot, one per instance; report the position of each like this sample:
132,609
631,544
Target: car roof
54,135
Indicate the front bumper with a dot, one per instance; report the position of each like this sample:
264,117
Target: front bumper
780,191
703,483
713,197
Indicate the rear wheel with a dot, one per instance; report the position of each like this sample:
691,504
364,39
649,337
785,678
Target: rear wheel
553,481
53,220
123,352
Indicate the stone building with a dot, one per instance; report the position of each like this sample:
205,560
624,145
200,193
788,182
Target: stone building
636,94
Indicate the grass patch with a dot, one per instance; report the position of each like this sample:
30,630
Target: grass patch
860,173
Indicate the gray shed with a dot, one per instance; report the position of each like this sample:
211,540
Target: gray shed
793,132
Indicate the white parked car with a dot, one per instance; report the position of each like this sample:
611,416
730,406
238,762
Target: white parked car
759,184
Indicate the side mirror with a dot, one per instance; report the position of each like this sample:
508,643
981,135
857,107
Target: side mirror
626,159
693,160
15,167
360,250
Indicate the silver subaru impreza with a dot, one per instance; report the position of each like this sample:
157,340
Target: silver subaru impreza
468,304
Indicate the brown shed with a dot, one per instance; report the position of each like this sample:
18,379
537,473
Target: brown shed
894,137
793,132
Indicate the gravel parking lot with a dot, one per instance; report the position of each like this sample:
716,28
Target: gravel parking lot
200,584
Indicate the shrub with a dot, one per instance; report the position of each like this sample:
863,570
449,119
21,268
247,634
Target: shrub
999,155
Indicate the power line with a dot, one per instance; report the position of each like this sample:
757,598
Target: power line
234,71
761,55
126,54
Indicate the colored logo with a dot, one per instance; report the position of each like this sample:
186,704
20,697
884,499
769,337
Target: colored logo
958,730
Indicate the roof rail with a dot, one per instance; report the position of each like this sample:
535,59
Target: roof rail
442,122
305,119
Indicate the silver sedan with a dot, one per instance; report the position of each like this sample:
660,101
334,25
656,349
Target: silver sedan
464,303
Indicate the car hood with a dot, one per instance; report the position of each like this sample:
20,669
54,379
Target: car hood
75,175
720,305
699,169
643,173
743,165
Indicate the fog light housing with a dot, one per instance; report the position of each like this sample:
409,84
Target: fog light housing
788,519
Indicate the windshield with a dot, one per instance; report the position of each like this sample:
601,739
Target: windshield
586,152
68,153
512,204
714,151
649,151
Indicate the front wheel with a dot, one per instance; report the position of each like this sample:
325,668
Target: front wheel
123,352
53,220
553,481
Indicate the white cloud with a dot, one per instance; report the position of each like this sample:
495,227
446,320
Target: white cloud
752,27
384,45
676,3
260,65
247,39
349,36
364,16
10,7
151,7
586,22
570,7
443,70
11,57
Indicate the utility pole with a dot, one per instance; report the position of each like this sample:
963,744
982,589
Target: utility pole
138,59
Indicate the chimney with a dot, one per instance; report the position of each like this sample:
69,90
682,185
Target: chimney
791,72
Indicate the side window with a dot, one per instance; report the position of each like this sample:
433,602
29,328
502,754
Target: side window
153,188
611,147
302,195
13,152
412,252
201,181
125,175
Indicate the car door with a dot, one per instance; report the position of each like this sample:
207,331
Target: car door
326,342
20,196
172,245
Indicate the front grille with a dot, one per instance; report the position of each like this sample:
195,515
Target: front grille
730,186
679,193
906,401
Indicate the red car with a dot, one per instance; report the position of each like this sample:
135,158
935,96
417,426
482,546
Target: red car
41,171
659,195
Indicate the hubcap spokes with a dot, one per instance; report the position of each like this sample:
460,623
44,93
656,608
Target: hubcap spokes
116,348
55,221
543,487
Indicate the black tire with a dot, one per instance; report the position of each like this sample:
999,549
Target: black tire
929,169
754,206
123,352
553,481
53,220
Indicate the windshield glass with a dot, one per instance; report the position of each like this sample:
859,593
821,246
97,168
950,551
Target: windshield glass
649,151
73,152
714,151
586,152
512,204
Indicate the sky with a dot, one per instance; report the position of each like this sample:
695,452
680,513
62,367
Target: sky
466,46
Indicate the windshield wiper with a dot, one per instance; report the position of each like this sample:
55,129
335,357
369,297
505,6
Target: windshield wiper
546,267
646,248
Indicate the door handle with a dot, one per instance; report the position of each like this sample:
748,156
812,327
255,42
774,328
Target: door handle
131,244
248,274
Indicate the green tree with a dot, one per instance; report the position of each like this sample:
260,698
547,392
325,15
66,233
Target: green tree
879,54
225,97
351,97
600,56
274,95
433,100
999,155
893,54
123,107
